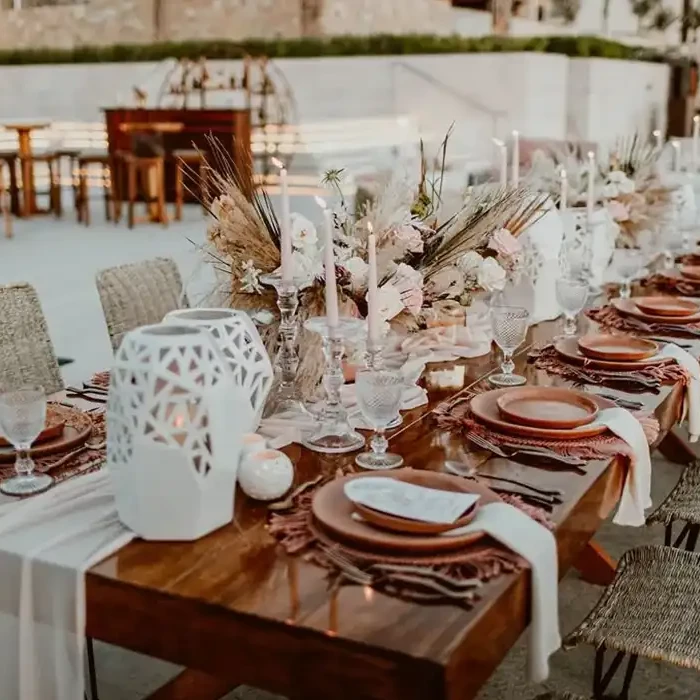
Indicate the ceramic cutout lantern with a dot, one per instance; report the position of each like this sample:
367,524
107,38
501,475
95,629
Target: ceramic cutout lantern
175,423
239,340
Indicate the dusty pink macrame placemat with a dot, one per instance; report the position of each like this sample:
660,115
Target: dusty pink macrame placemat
647,378
609,317
674,285
452,576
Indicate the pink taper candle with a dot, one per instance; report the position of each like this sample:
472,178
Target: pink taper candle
331,289
373,325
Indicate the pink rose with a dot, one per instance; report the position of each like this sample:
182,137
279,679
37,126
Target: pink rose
618,210
505,244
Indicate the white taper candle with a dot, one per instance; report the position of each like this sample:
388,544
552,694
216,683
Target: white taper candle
590,199
373,324
516,159
285,225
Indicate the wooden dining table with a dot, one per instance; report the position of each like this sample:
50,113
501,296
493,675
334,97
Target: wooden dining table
233,608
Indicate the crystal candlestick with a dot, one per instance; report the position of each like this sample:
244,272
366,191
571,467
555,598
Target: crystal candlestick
375,361
285,397
334,434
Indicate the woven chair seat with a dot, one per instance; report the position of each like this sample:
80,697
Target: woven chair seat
559,696
650,609
683,503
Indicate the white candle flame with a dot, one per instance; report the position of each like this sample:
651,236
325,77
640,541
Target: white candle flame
563,173
370,228
321,202
277,163
498,142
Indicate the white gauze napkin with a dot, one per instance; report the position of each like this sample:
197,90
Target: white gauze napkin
636,491
46,544
692,394
535,543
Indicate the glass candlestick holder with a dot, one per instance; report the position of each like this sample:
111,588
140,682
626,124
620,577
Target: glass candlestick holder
334,434
285,398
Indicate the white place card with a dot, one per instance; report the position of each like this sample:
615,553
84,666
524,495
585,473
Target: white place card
408,500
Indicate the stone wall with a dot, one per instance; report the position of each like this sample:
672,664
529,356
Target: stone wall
140,21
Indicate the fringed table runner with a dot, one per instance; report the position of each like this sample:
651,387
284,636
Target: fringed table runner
644,379
609,317
455,576
82,459
672,284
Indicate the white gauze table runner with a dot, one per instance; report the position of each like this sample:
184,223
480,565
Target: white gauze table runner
47,543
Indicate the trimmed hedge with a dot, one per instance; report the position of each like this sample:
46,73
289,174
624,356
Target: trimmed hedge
376,45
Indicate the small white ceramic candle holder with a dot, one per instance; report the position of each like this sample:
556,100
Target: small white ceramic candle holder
266,475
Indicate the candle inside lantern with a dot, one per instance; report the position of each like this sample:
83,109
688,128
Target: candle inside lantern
373,326
590,199
329,262
696,141
285,225
564,191
516,159
676,154
502,162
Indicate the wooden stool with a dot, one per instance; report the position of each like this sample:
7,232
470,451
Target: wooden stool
151,170
82,204
5,204
191,161
52,163
10,158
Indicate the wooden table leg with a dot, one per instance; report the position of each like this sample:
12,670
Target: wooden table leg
25,153
193,685
595,565
675,449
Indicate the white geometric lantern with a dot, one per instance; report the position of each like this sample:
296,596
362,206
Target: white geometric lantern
239,340
175,421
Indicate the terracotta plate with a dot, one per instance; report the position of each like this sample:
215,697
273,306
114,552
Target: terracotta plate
692,272
334,512
547,407
568,348
55,423
603,346
628,307
78,427
667,306
485,409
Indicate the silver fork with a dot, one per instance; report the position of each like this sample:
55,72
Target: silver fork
509,451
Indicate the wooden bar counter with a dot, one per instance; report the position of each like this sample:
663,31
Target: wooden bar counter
230,126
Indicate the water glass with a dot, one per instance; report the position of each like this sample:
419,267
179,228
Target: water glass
628,263
571,296
379,394
509,325
22,418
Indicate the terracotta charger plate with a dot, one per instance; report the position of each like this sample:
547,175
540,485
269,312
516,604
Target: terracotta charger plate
333,511
485,409
604,346
547,407
667,306
628,307
77,430
568,348
692,272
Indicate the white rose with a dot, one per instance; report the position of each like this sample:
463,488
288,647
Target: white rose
626,186
616,176
491,277
303,232
389,302
358,269
610,191
470,264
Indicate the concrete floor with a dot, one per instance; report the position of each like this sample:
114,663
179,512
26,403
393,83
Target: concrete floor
61,258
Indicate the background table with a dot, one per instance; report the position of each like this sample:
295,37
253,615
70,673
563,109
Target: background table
24,138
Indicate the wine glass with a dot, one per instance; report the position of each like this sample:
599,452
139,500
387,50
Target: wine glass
22,418
628,263
509,325
379,394
571,296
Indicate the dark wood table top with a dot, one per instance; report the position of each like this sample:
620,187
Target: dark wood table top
235,606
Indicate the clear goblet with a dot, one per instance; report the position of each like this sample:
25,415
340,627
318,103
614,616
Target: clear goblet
379,397
628,263
509,324
571,296
22,418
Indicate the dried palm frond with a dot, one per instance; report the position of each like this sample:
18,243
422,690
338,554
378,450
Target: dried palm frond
529,214
488,209
634,156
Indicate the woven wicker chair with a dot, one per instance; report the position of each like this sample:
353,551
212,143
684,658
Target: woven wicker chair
26,352
139,294
683,503
649,610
